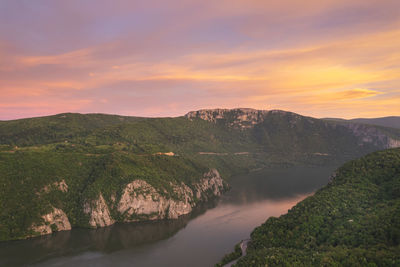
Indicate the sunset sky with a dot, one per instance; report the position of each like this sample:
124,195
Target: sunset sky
320,58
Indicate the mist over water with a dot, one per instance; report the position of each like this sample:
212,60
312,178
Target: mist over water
198,239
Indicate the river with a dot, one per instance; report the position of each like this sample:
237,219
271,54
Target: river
198,239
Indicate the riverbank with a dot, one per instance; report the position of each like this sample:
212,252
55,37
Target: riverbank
251,200
243,248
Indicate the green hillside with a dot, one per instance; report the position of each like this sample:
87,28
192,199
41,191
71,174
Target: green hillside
97,153
353,221
277,134
391,121
57,128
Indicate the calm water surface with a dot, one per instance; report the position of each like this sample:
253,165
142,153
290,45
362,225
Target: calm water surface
198,239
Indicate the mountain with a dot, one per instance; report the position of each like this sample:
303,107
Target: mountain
352,221
392,121
92,170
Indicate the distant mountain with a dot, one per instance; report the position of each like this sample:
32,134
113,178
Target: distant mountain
392,121
353,221
91,170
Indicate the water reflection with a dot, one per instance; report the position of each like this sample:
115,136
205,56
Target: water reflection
277,183
105,240
197,239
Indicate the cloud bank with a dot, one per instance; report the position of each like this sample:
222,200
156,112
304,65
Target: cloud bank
164,58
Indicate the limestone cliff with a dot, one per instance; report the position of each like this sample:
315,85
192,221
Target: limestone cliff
372,135
239,117
56,220
246,118
210,185
141,201
98,212
393,143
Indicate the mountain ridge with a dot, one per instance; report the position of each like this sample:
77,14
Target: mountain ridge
389,121
97,156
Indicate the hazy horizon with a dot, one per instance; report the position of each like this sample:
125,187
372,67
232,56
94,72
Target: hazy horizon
179,115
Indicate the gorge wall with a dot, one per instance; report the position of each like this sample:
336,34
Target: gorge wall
140,201
247,118
92,170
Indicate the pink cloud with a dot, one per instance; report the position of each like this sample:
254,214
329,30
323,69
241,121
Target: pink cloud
163,59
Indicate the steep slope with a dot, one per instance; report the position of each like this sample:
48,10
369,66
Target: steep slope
292,135
391,121
77,168
56,128
353,221
42,192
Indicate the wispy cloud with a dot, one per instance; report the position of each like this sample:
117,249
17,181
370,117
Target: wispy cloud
326,58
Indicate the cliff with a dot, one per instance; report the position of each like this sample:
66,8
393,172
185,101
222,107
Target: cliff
54,221
247,118
140,201
239,117
372,135
98,169
99,212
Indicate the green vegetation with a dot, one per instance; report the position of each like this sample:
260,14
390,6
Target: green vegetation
353,221
392,121
97,153
231,256
25,175
281,135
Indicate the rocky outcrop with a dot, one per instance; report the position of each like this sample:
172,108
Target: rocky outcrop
56,220
210,185
141,201
61,186
392,143
99,212
239,117
244,118
372,135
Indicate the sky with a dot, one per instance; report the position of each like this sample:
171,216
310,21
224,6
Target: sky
319,58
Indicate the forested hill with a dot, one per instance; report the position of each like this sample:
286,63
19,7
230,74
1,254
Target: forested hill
391,121
215,130
69,164
353,221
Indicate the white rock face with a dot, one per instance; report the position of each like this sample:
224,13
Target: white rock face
57,217
141,201
99,213
211,182
239,117
393,143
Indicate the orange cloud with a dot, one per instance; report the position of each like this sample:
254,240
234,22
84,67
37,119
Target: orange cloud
354,67
356,93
